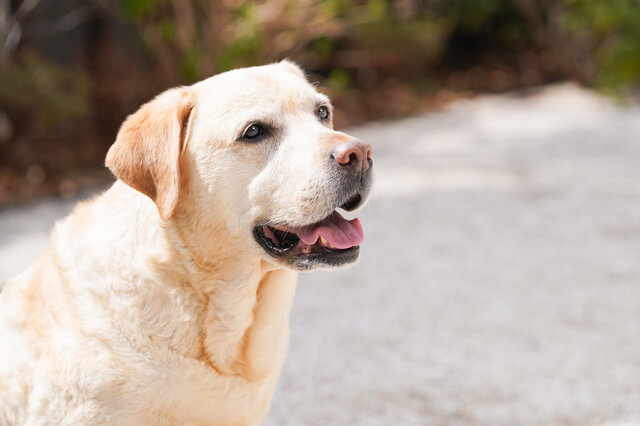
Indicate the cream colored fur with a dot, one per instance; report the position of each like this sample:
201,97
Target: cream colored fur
153,304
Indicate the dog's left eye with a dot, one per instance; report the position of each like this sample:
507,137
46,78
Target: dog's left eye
323,113
253,132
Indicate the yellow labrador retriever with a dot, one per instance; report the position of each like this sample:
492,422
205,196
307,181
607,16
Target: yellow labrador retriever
165,300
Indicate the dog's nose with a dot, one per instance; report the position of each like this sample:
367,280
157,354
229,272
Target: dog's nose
354,156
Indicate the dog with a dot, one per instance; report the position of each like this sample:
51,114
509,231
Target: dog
165,300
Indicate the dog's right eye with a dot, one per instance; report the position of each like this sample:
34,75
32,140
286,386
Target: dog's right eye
253,132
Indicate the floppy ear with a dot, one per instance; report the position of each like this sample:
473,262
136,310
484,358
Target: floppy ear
146,153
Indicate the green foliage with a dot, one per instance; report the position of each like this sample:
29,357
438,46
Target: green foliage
139,9
378,9
351,42
323,46
245,47
420,37
474,15
241,52
613,28
55,93
339,79
335,8
167,29
190,63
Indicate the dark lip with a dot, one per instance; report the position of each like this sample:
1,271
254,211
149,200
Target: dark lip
317,255
305,257
352,202
297,249
335,258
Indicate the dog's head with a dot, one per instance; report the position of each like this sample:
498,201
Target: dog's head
249,158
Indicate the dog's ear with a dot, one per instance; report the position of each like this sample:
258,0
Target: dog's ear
146,153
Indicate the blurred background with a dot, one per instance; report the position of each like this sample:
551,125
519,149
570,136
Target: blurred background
498,281
71,70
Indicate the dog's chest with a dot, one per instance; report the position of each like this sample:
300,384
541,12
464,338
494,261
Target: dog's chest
172,319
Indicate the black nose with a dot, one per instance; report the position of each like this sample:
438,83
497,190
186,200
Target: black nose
353,156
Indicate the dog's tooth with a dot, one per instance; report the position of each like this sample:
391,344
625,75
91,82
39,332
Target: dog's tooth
323,242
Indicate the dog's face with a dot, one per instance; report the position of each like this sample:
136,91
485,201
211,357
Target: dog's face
257,156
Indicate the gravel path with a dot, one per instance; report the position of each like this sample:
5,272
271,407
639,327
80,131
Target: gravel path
499,283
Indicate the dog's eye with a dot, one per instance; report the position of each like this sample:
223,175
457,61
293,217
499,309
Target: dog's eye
323,113
253,131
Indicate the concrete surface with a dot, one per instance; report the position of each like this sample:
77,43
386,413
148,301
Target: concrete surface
499,282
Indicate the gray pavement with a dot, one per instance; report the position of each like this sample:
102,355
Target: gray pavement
499,282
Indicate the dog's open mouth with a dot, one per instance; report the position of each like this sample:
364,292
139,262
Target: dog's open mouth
333,240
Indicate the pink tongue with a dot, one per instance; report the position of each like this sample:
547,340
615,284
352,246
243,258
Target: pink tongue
338,231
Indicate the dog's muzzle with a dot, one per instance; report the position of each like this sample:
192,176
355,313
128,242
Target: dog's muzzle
333,240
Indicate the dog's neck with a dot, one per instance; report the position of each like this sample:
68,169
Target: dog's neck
243,302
